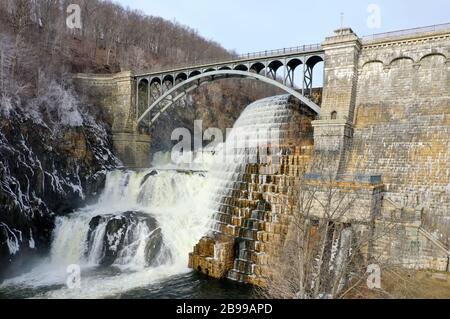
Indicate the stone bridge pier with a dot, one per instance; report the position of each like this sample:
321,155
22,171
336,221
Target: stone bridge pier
115,95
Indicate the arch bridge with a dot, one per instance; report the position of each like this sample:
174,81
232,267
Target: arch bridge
158,90
357,71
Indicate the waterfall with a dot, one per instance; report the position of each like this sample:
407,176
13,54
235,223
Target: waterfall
146,223
261,135
144,226
166,202
254,183
179,204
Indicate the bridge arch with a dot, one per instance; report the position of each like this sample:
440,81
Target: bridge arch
156,80
143,81
294,63
194,74
143,94
180,90
168,82
313,60
181,77
257,67
241,67
310,66
168,78
275,65
292,71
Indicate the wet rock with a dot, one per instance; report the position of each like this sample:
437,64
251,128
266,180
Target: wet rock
122,234
116,229
45,173
153,247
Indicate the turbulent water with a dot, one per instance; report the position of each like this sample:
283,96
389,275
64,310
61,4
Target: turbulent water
174,199
139,234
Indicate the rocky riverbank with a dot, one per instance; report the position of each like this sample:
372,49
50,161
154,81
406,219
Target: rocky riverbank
54,157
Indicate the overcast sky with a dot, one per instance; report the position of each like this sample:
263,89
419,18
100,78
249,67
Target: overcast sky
254,25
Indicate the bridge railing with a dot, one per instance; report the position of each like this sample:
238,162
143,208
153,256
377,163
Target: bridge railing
292,50
393,34
241,57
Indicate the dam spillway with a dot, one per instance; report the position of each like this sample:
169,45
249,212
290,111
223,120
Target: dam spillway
255,193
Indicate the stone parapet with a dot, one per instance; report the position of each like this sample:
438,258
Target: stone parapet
341,37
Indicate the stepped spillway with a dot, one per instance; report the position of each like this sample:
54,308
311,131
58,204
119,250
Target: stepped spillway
268,149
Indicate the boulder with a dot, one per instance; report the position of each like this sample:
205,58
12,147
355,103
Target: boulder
122,233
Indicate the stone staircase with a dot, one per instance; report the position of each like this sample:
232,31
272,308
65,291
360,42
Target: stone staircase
408,245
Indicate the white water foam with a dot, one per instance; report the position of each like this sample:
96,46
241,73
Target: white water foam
175,199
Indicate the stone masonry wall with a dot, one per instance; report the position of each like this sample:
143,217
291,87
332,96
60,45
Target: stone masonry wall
402,123
115,95
386,112
409,245
333,131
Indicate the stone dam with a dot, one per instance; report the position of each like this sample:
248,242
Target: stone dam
383,131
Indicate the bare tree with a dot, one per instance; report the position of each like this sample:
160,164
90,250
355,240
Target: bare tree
326,248
6,58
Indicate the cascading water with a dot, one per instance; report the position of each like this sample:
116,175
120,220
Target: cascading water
146,223
253,130
256,185
260,136
135,209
